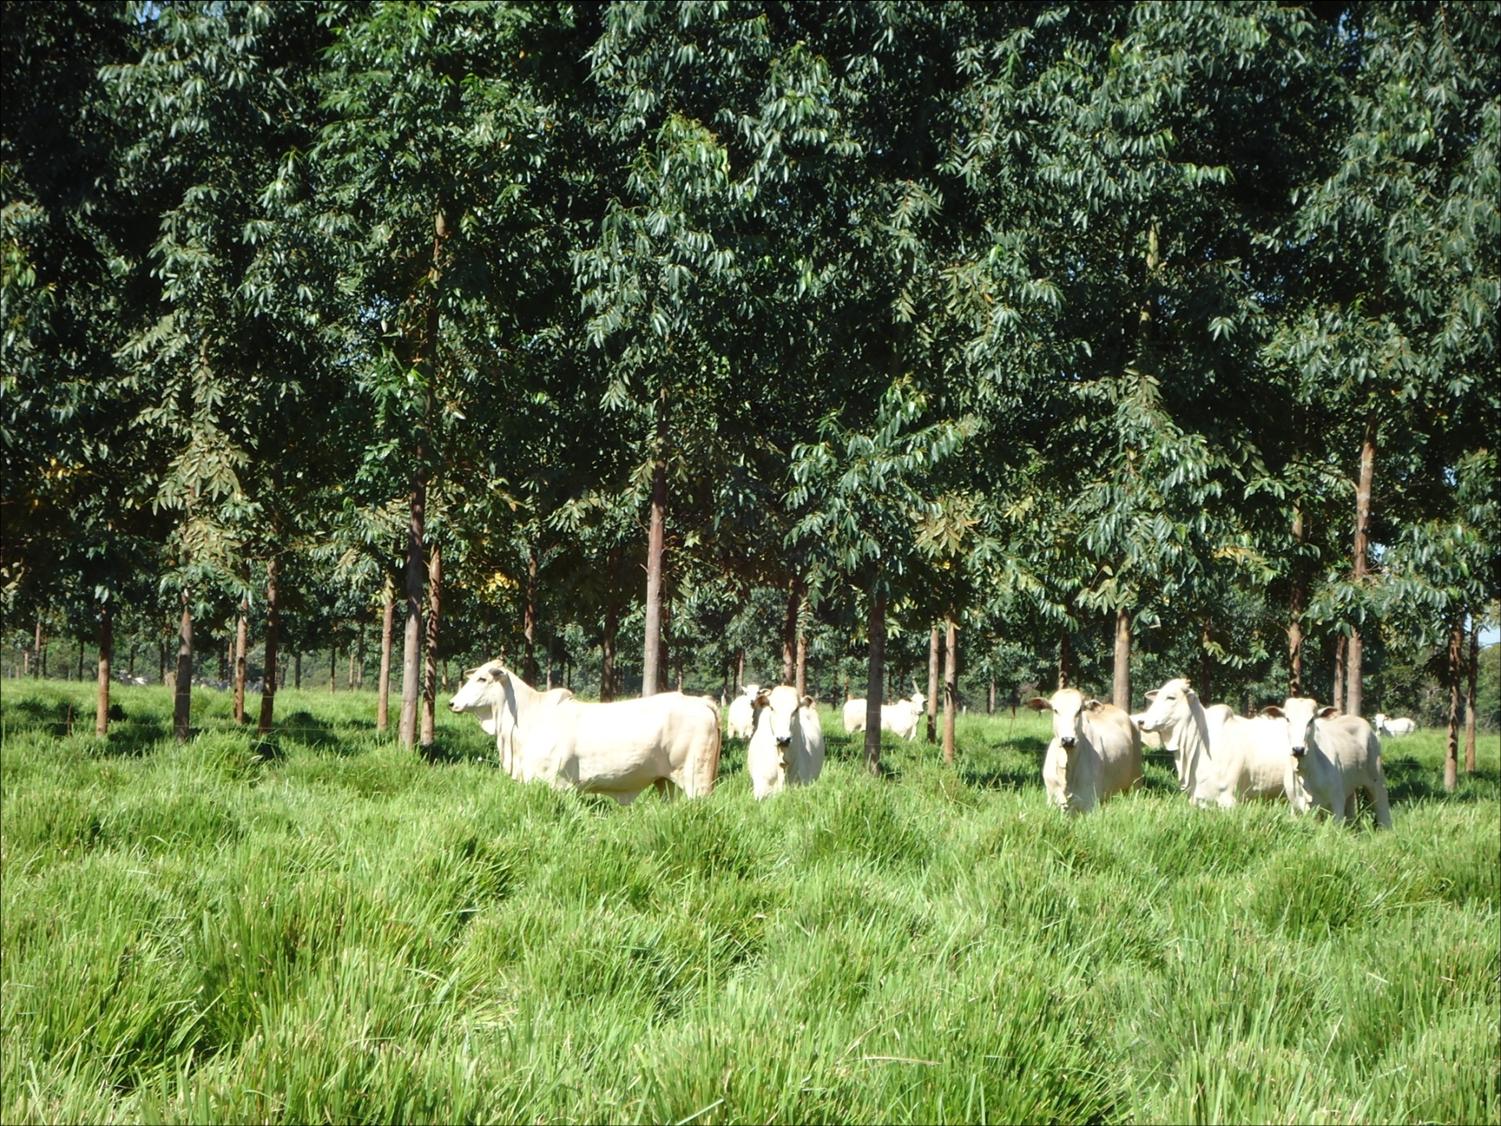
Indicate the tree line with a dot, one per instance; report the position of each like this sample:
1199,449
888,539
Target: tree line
1114,337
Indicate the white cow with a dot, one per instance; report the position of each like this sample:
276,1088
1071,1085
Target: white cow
1329,759
1222,758
619,748
1387,725
786,746
1095,752
901,717
742,715
1150,740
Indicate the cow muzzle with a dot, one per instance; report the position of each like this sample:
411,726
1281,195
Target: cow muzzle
1067,744
1298,752
784,740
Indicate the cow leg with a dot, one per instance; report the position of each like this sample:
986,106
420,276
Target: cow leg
1338,807
1383,806
666,789
1352,804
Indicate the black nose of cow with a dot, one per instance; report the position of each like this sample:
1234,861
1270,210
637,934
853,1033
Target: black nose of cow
1069,742
783,740
1298,752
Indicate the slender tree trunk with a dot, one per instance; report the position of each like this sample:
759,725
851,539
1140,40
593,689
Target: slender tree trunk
297,670
935,649
651,672
875,676
387,625
1455,668
430,648
242,636
1340,643
38,666
607,654
273,631
990,698
359,668
664,636
106,655
182,702
801,680
80,659
1205,686
789,634
416,576
1297,601
739,671
529,620
227,658
1472,665
161,661
1122,690
1065,658
130,661
349,676
1353,669
549,664
950,688
333,668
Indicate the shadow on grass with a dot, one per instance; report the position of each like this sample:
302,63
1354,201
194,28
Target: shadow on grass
1408,781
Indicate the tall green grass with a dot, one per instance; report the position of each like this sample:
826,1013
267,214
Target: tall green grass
336,930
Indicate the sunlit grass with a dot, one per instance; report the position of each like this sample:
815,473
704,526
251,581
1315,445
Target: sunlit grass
342,931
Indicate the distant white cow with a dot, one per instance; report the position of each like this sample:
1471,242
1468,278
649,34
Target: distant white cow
1330,758
1387,725
1095,752
619,748
1221,758
786,745
742,716
901,717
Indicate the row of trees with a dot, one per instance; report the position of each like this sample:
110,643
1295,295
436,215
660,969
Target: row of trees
1160,330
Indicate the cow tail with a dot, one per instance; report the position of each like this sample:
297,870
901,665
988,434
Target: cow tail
706,769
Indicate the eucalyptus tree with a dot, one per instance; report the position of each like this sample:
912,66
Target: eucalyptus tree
1392,327
427,165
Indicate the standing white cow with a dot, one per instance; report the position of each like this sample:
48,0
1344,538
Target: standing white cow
1330,758
619,748
1095,752
742,713
786,746
1222,758
1388,725
901,717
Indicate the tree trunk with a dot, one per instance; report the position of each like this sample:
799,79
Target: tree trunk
664,665
161,662
935,648
297,670
333,668
1296,603
607,654
383,689
789,634
651,672
242,636
1340,642
273,630
950,688
80,659
182,702
1065,658
130,664
416,576
1455,667
430,648
1471,670
990,698
801,680
227,658
875,677
1122,690
549,663
106,655
37,665
739,671
529,620
1353,668
349,677
1205,684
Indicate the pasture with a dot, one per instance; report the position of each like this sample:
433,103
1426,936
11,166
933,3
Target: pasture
335,930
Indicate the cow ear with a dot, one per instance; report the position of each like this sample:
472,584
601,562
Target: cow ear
761,698
1038,704
1152,695
1274,711
808,701
1091,705
1325,713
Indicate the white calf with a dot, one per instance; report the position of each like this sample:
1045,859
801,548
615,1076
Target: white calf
1095,752
1330,759
786,747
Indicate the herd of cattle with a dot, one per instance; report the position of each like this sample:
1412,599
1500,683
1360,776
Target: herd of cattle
1312,756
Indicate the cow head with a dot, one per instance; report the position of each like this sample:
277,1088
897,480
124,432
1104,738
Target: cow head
482,691
1299,714
777,714
1069,708
1167,706
1380,723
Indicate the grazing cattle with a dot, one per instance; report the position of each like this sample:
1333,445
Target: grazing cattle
619,748
1394,727
1221,758
742,715
786,745
901,717
1095,752
1329,759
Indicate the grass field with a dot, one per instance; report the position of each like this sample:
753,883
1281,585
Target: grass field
341,931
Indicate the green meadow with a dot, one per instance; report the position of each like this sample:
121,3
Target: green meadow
330,929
